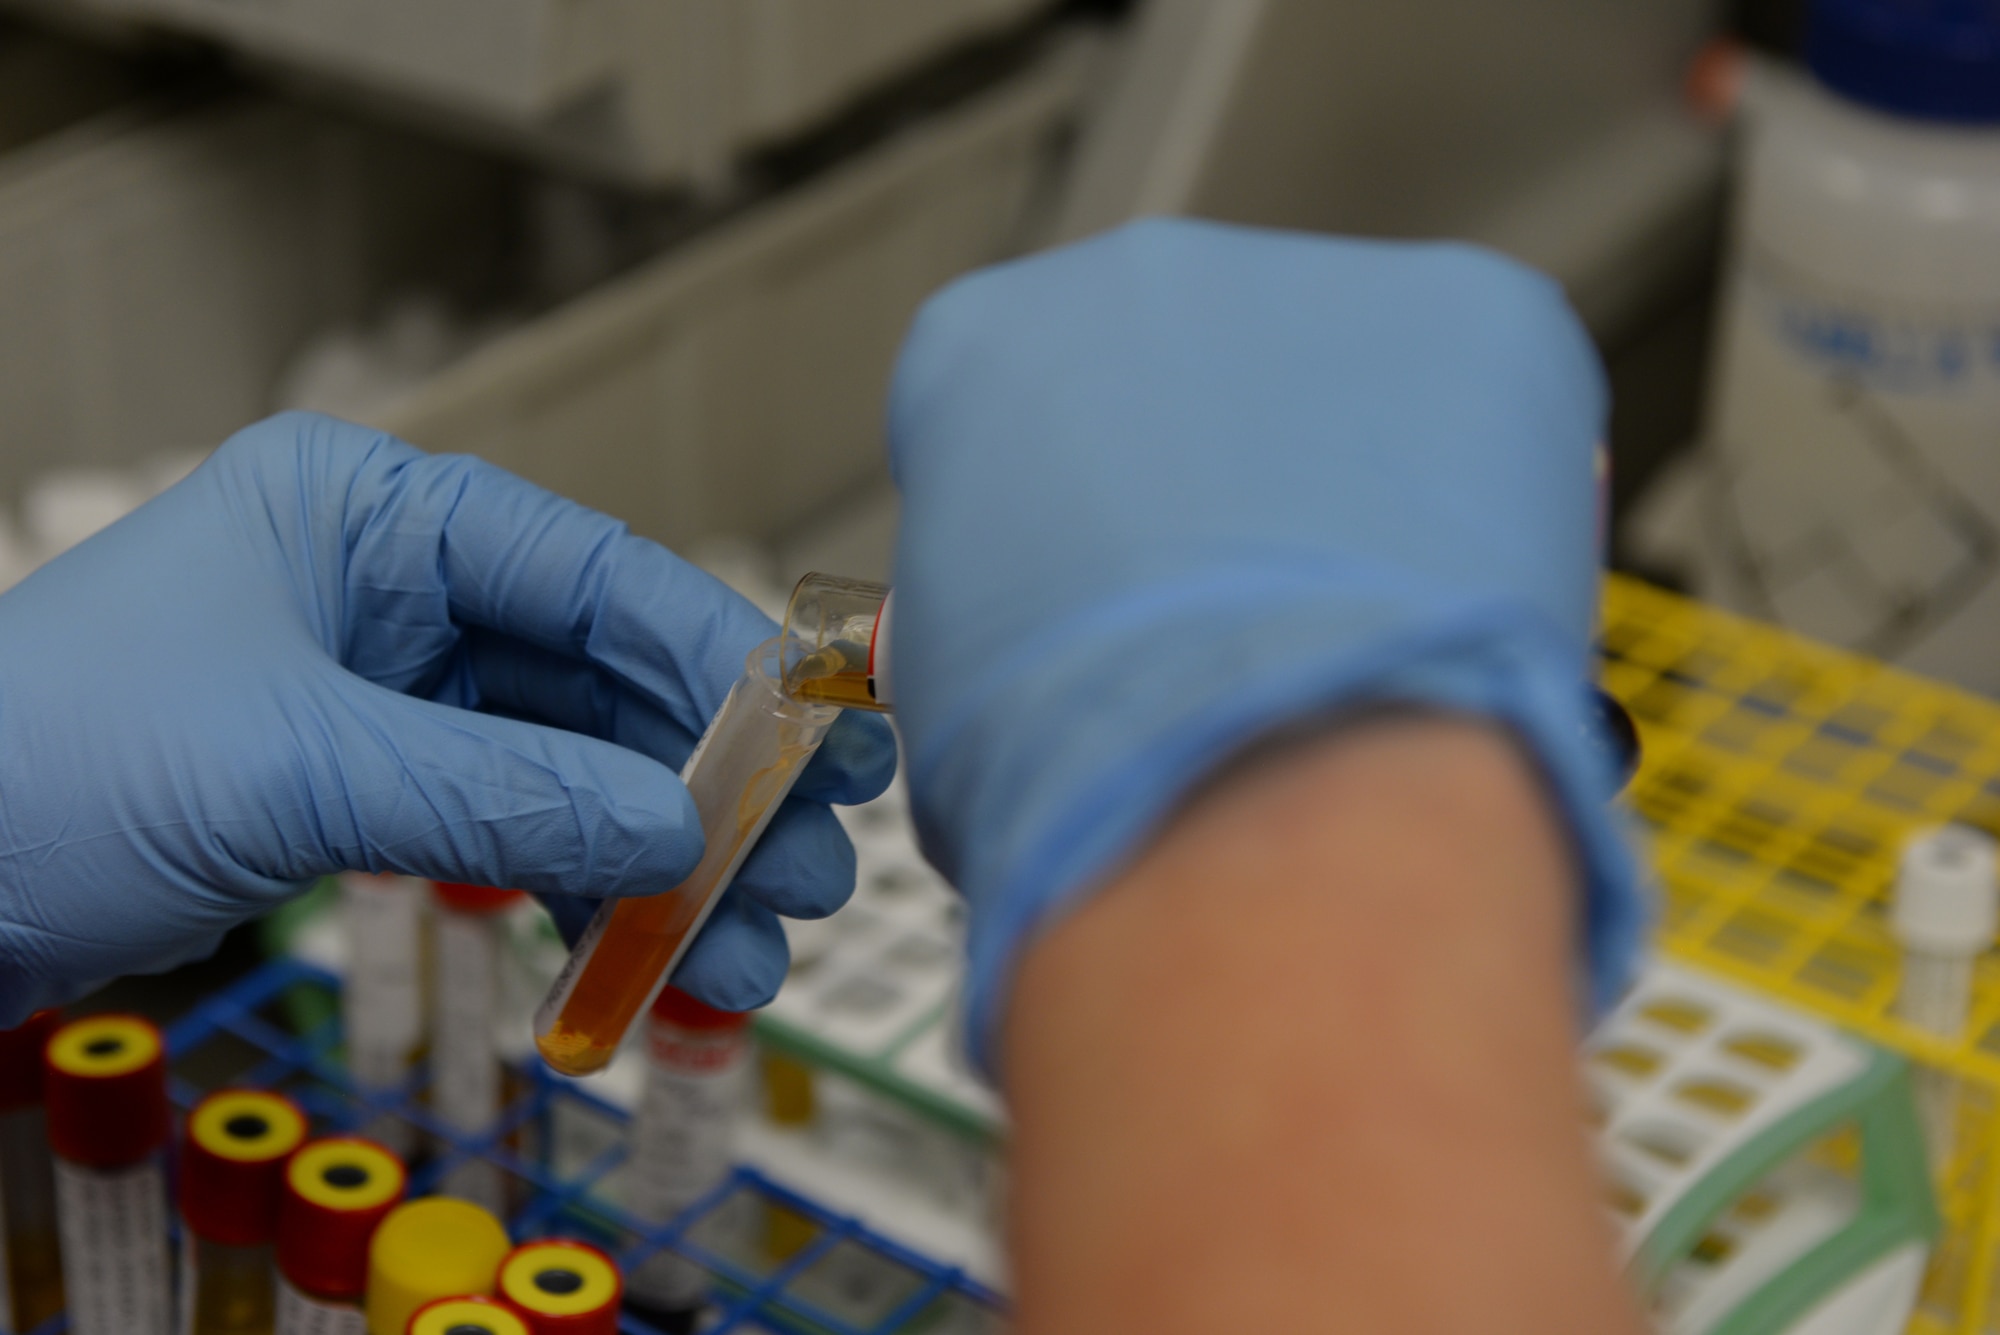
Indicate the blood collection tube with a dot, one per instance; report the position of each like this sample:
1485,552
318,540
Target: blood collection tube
232,1181
1947,907
337,1192
382,1002
682,1140
466,1316
31,1268
106,1086
467,1086
559,1287
742,769
426,1250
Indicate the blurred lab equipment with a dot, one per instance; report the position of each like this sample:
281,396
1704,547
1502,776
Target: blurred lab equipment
1945,913
1853,492
1718,1110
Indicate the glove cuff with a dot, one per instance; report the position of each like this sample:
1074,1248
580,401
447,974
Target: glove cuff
1074,764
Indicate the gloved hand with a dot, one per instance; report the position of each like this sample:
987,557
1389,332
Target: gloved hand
327,650
1180,485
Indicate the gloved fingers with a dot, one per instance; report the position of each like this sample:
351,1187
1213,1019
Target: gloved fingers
570,913
854,764
434,541
740,959
40,968
455,795
526,681
803,867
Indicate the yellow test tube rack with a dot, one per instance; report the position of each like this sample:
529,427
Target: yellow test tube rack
1779,782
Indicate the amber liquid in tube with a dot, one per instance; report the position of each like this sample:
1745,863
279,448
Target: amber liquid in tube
835,675
741,771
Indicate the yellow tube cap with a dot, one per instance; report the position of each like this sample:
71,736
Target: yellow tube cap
426,1250
466,1316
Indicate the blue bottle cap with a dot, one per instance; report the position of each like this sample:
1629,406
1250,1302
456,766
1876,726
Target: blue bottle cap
1934,59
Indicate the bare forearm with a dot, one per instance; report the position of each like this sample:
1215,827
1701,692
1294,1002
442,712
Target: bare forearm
1308,1063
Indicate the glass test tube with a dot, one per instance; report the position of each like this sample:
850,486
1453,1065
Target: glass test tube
742,769
232,1169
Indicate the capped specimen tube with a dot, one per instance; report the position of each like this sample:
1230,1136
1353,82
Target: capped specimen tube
337,1192
232,1185
683,1139
382,1003
836,640
106,1085
466,1316
742,769
1946,909
467,1081
558,1287
426,1250
31,1288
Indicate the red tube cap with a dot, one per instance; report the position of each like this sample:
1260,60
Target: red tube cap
561,1287
21,1060
678,1008
233,1165
336,1191
105,1082
473,898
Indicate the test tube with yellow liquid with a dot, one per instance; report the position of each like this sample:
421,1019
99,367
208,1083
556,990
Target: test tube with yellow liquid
832,655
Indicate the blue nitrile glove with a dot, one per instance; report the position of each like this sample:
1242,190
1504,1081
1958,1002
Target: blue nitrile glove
327,650
1178,485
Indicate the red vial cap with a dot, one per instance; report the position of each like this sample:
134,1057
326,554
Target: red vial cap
473,898
677,1008
561,1287
335,1193
233,1155
105,1083
21,1060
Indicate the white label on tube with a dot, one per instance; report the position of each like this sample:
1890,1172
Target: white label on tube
465,1069
683,1137
300,1315
6,1269
185,1287
382,1003
114,1248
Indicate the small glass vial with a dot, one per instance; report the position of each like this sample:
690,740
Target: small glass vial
836,642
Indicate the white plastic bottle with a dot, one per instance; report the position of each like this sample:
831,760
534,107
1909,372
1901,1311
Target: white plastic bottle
1855,418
